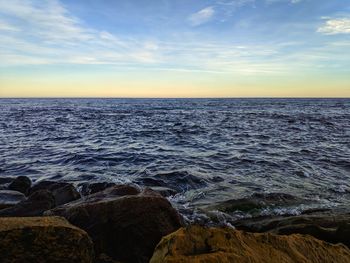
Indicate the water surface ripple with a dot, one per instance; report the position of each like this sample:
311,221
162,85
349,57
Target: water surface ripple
208,150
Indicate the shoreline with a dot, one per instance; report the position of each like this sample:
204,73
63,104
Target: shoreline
137,214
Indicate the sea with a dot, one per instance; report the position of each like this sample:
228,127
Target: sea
206,151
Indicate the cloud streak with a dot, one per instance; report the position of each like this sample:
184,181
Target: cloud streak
335,26
201,17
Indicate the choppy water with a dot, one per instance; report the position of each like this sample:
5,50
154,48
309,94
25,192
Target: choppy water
208,150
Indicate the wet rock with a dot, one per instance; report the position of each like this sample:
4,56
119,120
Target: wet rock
91,188
43,239
257,201
65,194
10,198
201,244
20,184
123,223
35,205
62,192
47,185
178,180
324,225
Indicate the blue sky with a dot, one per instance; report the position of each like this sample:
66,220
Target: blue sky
209,48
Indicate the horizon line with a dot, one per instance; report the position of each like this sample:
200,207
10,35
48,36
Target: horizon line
258,97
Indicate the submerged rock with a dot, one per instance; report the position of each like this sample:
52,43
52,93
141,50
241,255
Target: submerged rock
43,239
20,184
257,201
10,198
35,205
178,180
62,192
123,223
201,244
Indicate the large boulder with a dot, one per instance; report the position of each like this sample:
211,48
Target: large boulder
327,225
63,192
20,184
123,223
35,205
43,239
10,198
200,244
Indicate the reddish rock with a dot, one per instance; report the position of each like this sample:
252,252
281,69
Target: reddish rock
123,223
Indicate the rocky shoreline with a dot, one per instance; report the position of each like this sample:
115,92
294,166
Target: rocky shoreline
104,222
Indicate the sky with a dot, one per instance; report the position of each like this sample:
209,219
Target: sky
175,48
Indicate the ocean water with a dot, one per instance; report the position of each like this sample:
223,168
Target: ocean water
207,150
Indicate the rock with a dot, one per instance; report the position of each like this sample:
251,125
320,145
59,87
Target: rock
123,223
256,201
10,198
43,239
324,225
62,192
178,180
35,205
47,185
20,184
91,188
200,244
65,194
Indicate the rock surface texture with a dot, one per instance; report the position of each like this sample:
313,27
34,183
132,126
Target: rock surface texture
36,204
329,226
200,244
123,223
43,239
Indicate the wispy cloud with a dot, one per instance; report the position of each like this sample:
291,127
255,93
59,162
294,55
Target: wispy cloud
287,1
201,17
335,26
45,32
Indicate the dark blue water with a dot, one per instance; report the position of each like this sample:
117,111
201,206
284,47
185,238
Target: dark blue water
207,150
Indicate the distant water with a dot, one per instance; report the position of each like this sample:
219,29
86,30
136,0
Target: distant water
208,150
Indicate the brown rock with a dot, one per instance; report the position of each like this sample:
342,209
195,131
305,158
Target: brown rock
200,244
122,225
43,239
10,198
62,192
35,205
325,225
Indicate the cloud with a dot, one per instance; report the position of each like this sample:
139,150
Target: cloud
45,32
289,1
201,17
4,26
335,26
